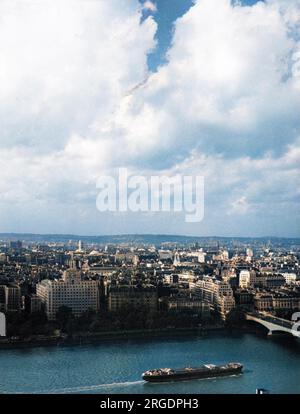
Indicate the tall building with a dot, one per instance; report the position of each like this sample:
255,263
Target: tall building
80,247
79,295
176,259
249,253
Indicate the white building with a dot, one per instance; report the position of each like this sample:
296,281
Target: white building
79,295
249,253
165,254
200,255
290,278
244,280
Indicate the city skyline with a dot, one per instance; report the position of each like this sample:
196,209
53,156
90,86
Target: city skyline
209,88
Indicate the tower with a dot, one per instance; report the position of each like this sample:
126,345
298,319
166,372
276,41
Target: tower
176,259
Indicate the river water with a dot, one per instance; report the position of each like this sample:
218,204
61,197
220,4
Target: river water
116,367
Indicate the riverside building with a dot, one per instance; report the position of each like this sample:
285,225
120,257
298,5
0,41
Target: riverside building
218,294
71,291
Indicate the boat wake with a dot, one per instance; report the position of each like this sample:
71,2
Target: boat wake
87,388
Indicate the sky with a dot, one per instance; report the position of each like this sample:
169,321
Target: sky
165,87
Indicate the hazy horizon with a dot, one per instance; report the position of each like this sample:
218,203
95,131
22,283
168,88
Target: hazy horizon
147,234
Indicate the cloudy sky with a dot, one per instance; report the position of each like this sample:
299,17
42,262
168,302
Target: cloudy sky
203,87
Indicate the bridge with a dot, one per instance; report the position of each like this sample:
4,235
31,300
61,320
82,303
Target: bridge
274,324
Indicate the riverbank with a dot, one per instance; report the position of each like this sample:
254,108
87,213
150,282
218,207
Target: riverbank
85,339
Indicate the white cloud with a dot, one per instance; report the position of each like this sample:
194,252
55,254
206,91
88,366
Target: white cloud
77,99
149,5
64,63
239,206
231,84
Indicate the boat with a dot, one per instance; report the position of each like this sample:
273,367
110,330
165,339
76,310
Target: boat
183,374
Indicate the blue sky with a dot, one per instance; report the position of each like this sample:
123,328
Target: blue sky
165,87
165,15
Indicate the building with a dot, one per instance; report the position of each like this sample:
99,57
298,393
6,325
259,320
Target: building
10,298
274,301
171,279
274,281
249,255
165,255
218,294
33,303
251,278
15,245
78,295
123,296
244,279
189,304
263,302
3,258
290,278
244,297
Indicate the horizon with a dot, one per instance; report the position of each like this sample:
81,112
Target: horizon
146,235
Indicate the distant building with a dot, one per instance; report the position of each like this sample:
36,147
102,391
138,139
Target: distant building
201,257
176,261
165,255
15,245
249,255
3,258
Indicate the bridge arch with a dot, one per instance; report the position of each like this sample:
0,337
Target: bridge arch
271,326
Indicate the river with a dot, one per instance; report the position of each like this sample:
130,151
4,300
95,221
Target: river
115,367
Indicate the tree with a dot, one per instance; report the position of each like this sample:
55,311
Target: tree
236,317
63,316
